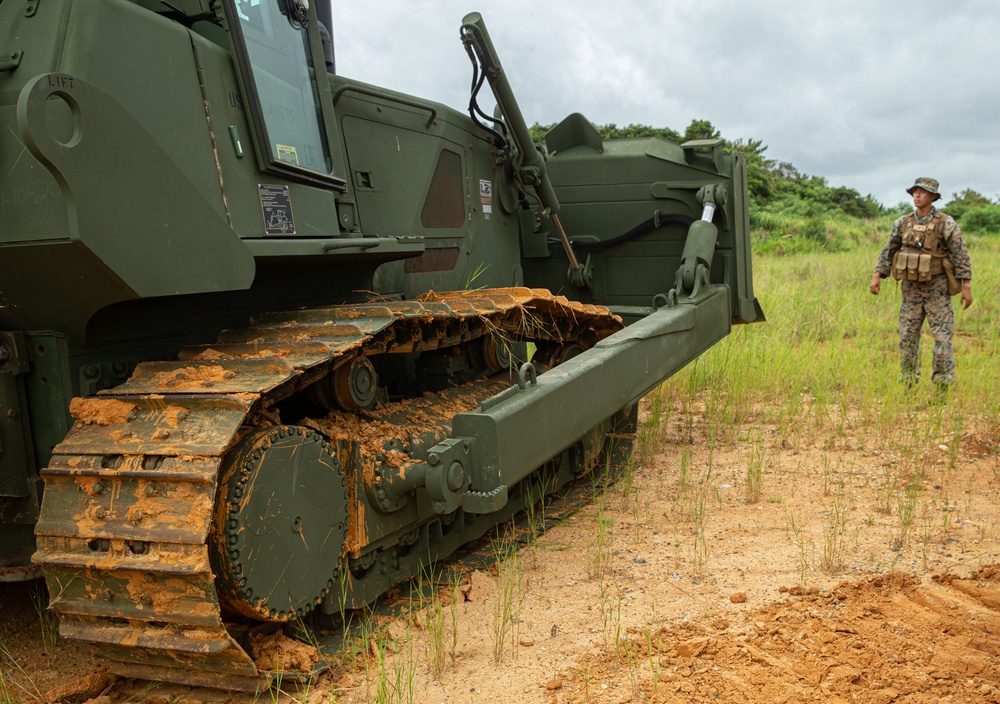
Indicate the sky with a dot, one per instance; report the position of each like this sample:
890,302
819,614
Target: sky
868,94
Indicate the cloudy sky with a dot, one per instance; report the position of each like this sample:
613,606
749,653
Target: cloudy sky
866,93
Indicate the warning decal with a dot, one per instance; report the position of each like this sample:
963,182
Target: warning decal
276,204
486,197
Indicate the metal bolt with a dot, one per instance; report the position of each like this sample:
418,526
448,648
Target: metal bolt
11,413
99,512
456,476
137,515
228,375
146,599
97,488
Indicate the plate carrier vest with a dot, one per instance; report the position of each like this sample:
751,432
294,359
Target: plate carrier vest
919,258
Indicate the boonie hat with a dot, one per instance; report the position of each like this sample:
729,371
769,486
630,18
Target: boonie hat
928,184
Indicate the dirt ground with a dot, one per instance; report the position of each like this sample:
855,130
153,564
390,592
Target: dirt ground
842,580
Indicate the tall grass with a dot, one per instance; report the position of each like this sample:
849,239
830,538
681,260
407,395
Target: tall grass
828,354
788,232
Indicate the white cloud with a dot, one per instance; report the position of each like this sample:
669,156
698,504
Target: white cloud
869,94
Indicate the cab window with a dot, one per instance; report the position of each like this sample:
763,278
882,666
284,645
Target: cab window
275,63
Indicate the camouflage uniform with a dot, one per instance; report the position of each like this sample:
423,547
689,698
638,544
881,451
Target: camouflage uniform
929,300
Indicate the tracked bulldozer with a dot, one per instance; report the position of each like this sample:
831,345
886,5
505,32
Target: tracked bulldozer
273,339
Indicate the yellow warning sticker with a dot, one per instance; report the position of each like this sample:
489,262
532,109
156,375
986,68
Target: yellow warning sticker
287,154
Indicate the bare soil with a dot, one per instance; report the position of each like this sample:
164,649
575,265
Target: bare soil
843,581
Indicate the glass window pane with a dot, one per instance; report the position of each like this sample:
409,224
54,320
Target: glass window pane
278,50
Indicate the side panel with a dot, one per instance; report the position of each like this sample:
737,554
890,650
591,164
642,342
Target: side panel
397,149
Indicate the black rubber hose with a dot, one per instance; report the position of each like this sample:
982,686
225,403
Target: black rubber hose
499,138
654,223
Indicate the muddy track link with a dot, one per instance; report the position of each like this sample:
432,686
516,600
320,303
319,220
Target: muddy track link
130,505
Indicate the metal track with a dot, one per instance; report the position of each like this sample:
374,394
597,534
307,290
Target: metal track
124,532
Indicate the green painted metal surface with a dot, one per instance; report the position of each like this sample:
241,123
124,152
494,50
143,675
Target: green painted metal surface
209,235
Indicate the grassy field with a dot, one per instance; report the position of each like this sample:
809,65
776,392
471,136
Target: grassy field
827,357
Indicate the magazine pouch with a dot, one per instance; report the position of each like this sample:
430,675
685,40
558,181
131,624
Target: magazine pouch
923,267
899,265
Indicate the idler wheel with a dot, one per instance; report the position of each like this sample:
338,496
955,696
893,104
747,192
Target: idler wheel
551,355
280,523
355,384
350,387
500,353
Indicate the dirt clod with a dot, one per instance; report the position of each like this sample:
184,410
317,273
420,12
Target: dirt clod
277,652
88,687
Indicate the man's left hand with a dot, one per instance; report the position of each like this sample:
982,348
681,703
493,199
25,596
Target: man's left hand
966,294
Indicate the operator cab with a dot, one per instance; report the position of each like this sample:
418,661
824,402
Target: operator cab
277,52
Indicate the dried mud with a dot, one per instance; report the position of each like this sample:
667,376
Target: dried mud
100,411
404,420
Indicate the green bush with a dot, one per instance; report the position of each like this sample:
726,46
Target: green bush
981,220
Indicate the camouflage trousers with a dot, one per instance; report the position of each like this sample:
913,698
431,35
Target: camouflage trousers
928,300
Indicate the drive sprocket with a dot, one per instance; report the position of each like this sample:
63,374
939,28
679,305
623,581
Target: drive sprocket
280,523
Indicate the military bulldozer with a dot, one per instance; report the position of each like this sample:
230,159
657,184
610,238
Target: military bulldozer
266,329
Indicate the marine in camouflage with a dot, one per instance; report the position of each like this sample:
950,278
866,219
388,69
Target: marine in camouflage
929,299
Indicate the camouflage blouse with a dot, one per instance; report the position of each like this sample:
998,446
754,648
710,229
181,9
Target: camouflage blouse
952,238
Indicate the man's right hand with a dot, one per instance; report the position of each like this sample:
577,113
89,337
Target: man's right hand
876,283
